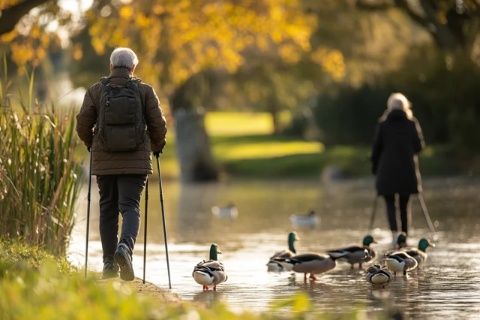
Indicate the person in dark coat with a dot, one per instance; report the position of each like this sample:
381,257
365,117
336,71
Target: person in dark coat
397,143
121,176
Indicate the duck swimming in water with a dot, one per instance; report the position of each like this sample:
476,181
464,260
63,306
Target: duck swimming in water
305,220
230,211
419,253
312,263
378,275
210,272
356,254
400,261
287,253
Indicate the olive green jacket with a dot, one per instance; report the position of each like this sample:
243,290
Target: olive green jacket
112,163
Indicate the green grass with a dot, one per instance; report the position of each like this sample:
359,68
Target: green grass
244,146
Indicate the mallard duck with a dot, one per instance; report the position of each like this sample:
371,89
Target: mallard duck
419,253
287,253
401,240
378,275
356,254
230,211
400,261
312,263
305,220
211,272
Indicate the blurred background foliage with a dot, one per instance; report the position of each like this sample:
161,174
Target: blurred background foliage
329,65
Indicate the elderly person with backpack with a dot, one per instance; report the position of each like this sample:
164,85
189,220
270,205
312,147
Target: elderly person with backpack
121,123
398,140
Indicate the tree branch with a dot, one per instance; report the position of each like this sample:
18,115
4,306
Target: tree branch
369,5
403,4
10,16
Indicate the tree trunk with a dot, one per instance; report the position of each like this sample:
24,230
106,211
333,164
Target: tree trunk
193,147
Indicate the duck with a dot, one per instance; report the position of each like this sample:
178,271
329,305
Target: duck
312,263
378,275
419,253
400,261
210,272
309,219
356,254
287,253
230,211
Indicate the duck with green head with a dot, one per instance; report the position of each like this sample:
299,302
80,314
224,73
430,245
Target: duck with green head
420,253
312,263
210,272
356,254
287,253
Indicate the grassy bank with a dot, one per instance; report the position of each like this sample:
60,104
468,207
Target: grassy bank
244,147
36,285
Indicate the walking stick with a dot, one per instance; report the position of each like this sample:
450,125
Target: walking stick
425,213
145,232
163,219
88,212
372,216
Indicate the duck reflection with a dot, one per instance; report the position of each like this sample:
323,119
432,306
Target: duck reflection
208,298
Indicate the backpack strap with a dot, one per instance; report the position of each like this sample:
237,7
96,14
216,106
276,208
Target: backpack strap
135,82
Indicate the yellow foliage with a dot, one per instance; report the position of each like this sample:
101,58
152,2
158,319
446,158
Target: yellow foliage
126,12
21,53
332,62
77,52
189,36
7,3
8,37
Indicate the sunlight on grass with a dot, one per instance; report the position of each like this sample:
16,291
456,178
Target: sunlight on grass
268,150
238,123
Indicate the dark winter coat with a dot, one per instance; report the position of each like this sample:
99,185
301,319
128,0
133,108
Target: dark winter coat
398,140
136,162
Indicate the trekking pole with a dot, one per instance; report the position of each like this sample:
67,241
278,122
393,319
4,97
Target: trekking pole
163,219
425,213
88,211
374,211
145,232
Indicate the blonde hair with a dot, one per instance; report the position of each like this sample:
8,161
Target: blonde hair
397,101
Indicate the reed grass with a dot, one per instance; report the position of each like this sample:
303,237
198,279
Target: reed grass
39,179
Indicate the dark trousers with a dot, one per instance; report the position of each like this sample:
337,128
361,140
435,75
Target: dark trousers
119,193
404,212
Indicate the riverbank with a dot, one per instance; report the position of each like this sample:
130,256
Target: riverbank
37,285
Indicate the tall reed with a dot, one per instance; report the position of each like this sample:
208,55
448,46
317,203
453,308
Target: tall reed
39,180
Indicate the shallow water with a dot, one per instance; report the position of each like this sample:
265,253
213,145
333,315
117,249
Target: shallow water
448,285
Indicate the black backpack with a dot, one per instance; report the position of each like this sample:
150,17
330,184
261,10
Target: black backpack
121,123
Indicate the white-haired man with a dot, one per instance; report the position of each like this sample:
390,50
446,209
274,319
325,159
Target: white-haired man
121,123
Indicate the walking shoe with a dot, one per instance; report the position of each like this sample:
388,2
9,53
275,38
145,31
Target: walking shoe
124,261
110,269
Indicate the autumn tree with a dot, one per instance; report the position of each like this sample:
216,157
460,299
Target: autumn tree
178,41
453,25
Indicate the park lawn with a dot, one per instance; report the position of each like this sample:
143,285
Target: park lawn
244,146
